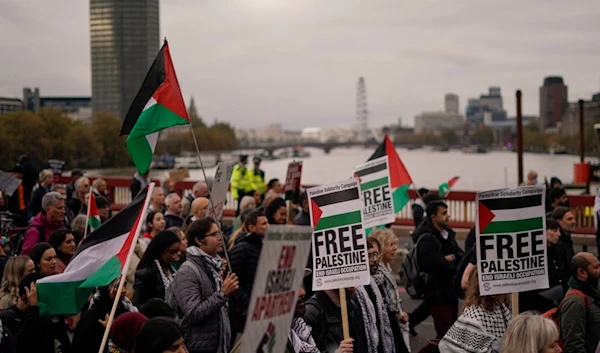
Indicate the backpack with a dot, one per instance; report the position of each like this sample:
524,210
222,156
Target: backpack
41,239
552,314
170,297
412,278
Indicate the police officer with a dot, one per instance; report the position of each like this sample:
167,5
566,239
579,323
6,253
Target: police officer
241,181
258,177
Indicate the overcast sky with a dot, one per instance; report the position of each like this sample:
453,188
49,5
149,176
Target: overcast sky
297,62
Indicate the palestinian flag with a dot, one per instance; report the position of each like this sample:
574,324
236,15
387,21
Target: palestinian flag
511,214
400,180
336,209
444,189
100,259
157,106
93,216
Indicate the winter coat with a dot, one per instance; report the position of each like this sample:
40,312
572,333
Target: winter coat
38,333
431,252
244,261
148,284
200,306
325,319
579,319
173,221
32,235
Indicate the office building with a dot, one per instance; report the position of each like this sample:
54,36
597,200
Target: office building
486,104
553,102
451,103
77,108
569,125
8,105
436,122
124,39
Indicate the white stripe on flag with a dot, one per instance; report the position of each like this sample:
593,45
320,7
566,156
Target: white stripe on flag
519,213
152,139
342,207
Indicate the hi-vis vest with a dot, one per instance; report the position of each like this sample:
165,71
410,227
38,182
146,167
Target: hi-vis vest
241,181
258,180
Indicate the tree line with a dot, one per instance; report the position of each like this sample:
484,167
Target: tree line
52,134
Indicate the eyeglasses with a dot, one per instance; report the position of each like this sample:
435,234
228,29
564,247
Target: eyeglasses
214,234
373,255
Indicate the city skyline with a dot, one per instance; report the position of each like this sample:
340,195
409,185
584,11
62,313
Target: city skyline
259,62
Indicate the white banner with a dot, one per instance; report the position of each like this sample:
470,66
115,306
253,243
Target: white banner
278,278
511,240
218,192
339,243
378,204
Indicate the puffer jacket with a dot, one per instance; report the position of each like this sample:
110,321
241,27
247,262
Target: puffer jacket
431,252
200,305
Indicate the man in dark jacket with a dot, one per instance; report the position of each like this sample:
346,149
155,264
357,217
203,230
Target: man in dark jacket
324,316
173,215
438,256
35,202
566,219
303,217
75,174
580,309
244,260
418,207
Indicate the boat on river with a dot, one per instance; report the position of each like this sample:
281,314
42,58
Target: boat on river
555,148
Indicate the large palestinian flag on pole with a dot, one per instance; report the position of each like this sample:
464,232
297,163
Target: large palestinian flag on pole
400,180
102,256
157,106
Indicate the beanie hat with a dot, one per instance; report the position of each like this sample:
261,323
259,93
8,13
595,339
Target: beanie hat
125,329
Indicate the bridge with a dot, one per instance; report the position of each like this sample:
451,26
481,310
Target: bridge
271,147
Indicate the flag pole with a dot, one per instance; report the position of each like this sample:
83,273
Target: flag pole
87,219
210,201
138,231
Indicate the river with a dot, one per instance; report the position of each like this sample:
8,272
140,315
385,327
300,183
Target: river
496,169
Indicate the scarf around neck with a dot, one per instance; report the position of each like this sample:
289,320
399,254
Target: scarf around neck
166,280
215,264
584,287
300,337
374,317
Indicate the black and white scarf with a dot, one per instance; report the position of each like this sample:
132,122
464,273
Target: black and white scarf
166,280
215,264
300,337
376,320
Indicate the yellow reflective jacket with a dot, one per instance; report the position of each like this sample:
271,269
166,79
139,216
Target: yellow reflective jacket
258,180
241,181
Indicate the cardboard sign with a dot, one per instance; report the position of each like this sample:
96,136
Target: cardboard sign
511,240
292,179
278,278
218,192
339,243
8,183
378,204
179,174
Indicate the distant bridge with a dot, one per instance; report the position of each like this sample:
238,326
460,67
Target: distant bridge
269,148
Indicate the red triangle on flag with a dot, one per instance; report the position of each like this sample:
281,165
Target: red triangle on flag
485,216
316,213
398,174
357,176
93,209
168,93
453,181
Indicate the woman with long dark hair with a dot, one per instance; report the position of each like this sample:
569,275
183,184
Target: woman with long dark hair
276,211
63,242
89,332
44,258
155,223
160,335
155,273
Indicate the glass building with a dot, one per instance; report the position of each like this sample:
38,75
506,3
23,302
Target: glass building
124,38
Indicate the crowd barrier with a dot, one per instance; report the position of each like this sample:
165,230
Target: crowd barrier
461,204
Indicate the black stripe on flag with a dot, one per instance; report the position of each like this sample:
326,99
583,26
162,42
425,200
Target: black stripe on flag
121,223
154,78
337,197
513,203
371,170
379,152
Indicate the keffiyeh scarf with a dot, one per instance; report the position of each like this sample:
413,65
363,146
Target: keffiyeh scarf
386,281
300,337
166,280
375,317
215,264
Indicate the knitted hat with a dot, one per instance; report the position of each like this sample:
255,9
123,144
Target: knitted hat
125,329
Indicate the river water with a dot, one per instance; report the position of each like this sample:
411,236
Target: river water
496,169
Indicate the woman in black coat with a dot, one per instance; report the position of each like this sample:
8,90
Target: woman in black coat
89,332
155,273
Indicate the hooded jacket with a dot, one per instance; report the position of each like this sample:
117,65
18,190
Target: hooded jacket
32,235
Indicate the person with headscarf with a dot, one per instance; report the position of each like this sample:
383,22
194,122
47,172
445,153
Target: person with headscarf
89,331
154,273
124,331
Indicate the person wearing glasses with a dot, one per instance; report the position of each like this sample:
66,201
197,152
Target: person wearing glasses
154,273
200,294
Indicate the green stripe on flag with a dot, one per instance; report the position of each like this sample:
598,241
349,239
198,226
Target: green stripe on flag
339,220
443,189
374,183
94,222
400,197
521,225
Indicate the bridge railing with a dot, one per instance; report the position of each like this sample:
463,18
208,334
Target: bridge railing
461,204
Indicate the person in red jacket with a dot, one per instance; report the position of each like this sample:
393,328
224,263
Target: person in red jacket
49,220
